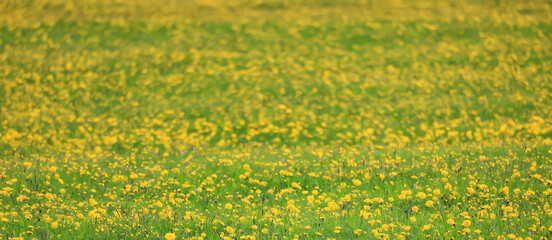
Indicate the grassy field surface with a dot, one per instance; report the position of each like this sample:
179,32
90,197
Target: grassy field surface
275,119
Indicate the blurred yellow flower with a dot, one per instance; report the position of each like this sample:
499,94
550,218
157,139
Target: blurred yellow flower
170,236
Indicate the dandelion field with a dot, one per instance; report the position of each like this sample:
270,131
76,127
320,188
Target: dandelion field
275,119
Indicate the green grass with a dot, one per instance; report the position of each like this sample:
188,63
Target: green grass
136,119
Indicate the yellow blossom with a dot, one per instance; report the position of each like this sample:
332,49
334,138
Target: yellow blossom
170,236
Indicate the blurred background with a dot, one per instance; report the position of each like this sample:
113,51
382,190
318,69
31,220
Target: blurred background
118,75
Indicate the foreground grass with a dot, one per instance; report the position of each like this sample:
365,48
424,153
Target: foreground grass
264,192
275,119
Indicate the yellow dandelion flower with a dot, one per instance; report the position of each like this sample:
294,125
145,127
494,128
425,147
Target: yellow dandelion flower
170,236
429,203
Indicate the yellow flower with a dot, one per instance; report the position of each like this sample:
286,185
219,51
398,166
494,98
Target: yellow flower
466,223
451,221
265,231
92,202
93,214
505,190
27,165
357,182
296,185
421,195
228,206
170,236
429,203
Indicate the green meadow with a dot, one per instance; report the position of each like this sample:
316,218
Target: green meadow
275,119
